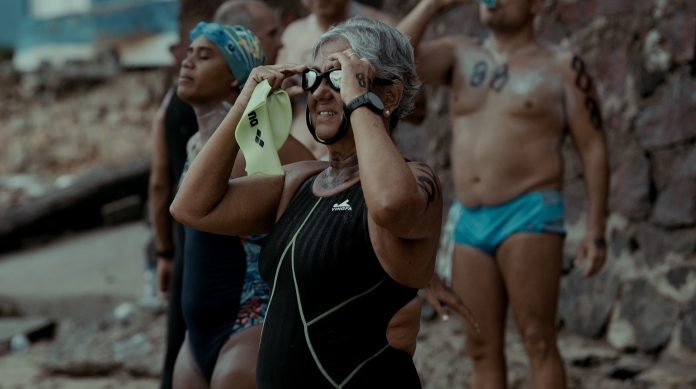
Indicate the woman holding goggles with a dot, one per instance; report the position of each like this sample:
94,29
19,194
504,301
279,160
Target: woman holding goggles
352,239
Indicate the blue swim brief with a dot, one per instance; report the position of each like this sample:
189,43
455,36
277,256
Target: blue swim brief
486,227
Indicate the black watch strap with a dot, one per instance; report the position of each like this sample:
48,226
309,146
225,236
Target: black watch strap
368,99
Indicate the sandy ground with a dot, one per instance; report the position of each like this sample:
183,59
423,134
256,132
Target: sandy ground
23,371
79,279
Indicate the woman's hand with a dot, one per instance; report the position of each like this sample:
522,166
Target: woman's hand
276,75
358,74
442,298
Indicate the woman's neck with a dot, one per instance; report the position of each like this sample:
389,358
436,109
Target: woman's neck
209,117
342,170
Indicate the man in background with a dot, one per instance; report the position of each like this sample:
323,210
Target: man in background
513,100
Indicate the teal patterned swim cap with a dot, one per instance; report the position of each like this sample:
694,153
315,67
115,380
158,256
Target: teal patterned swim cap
240,47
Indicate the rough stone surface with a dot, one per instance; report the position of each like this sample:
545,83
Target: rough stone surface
688,327
618,8
585,304
620,333
62,137
675,206
671,373
630,188
31,328
620,240
679,276
672,163
575,200
664,123
688,169
654,243
109,347
652,315
677,30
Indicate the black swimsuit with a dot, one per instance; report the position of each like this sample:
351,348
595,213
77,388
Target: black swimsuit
331,300
179,124
214,270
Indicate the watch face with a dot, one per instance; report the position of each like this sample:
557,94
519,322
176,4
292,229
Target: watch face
375,101
369,100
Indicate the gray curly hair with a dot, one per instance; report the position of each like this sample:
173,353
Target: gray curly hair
389,51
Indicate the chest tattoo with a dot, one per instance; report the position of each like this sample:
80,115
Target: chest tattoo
480,73
500,78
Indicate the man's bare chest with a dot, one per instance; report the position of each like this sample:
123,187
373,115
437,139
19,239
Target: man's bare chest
526,88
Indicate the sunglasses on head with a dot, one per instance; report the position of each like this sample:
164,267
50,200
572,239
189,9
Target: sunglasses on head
311,79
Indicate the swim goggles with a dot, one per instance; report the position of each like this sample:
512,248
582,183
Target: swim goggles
311,79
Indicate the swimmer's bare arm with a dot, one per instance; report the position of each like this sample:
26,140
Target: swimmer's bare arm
160,195
292,151
584,119
404,200
381,16
159,185
443,299
208,200
414,25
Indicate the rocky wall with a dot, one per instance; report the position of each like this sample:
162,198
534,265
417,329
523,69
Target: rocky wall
642,56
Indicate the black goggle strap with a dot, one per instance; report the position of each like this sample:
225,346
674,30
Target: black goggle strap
341,131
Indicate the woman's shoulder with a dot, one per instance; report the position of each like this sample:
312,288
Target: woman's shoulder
299,166
295,175
298,172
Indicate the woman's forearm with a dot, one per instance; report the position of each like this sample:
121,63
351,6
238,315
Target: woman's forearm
391,191
205,183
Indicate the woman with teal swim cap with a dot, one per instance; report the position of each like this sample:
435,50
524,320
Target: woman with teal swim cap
223,299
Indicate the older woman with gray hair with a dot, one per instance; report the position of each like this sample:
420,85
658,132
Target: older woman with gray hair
352,239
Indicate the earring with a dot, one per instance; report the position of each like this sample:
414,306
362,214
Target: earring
387,113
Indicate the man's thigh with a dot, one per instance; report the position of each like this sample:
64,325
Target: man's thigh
530,265
476,279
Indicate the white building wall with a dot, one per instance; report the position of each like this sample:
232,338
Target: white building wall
43,9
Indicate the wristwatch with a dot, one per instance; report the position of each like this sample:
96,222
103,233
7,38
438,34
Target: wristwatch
368,99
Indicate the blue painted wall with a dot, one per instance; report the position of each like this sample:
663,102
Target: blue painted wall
106,19
11,14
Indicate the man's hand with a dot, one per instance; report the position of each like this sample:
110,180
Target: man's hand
440,297
591,254
164,275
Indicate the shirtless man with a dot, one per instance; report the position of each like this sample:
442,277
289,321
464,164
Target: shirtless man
298,40
259,18
513,98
